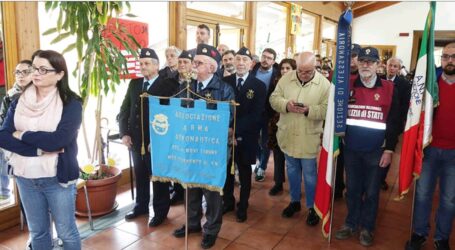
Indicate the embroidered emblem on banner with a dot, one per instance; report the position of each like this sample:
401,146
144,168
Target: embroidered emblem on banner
160,124
250,94
376,97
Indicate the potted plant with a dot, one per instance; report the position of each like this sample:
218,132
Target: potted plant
99,67
101,183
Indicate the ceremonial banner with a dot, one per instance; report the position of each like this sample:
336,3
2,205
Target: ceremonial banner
335,122
343,69
189,145
424,96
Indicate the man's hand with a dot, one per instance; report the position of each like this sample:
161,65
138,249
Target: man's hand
17,134
294,107
386,159
126,140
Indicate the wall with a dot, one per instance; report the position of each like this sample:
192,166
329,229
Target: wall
383,26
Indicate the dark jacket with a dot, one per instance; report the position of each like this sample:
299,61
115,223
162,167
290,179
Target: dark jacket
248,115
6,102
166,72
268,111
130,111
65,136
403,87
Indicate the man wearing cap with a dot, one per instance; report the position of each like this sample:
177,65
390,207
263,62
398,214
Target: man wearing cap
373,120
137,141
250,93
339,178
403,87
208,85
266,71
301,98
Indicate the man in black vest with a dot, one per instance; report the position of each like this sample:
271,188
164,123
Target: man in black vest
138,139
250,93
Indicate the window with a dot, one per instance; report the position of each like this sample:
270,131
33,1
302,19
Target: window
229,9
156,15
271,28
329,29
305,41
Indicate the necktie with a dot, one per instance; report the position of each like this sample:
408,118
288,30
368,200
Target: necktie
200,86
239,84
145,86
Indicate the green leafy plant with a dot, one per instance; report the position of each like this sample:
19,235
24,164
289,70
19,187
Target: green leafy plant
100,63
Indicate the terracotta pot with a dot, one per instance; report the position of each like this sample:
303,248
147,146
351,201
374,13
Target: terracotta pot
101,194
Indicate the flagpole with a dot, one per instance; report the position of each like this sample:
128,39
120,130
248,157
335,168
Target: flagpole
412,208
334,169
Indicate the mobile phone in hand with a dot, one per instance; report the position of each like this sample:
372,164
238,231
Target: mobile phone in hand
299,104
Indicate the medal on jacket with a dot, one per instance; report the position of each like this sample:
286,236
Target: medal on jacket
208,95
250,94
376,97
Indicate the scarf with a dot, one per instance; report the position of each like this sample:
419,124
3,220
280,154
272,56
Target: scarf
34,115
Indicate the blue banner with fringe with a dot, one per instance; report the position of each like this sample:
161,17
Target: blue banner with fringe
189,145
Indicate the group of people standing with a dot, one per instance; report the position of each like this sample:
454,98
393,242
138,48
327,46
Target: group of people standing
282,108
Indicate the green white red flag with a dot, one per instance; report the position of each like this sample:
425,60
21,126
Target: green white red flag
424,96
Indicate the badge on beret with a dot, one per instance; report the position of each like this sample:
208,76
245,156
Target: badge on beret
147,53
204,50
367,51
250,94
247,52
376,97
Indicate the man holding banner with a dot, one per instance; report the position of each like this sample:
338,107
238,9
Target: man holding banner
438,163
373,116
209,86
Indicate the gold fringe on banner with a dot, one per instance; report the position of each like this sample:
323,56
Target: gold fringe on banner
188,185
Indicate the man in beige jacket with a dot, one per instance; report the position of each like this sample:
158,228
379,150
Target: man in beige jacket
301,98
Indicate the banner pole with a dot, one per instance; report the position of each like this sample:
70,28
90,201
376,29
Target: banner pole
412,208
186,218
334,169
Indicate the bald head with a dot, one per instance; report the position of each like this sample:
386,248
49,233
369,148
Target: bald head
306,63
306,58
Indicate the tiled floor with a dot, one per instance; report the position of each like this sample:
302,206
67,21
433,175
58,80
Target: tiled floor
264,229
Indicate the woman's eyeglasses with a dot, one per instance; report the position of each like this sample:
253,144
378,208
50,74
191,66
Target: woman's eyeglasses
24,72
42,70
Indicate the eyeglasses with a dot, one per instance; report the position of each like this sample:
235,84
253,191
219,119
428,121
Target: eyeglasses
307,72
446,57
264,57
42,70
367,62
198,63
24,72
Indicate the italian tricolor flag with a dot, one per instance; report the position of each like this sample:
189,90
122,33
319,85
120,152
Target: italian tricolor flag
424,96
323,195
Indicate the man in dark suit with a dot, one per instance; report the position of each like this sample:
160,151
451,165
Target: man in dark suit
404,92
134,131
250,93
210,86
